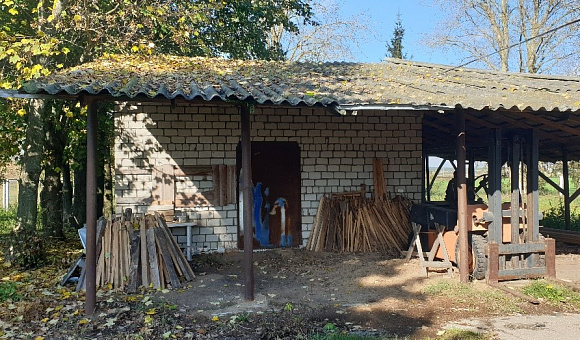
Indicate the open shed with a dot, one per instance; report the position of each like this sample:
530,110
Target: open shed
187,126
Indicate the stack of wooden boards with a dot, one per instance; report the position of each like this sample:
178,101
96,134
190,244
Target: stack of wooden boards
139,251
359,224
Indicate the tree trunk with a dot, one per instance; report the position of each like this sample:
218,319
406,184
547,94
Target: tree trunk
31,167
27,248
51,203
80,195
51,194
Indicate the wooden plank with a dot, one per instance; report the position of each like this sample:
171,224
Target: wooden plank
161,268
493,263
188,272
522,248
517,294
495,200
134,266
550,257
515,186
216,185
143,250
532,196
167,261
521,273
223,183
379,178
152,254
163,178
232,184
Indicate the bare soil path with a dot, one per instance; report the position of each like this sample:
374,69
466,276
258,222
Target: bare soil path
361,292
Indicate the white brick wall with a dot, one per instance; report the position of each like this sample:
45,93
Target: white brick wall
336,154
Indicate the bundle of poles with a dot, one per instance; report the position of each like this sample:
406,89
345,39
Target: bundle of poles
136,251
359,224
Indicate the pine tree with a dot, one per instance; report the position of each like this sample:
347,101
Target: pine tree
395,47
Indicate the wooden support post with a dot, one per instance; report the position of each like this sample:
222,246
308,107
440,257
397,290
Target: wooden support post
462,200
91,241
515,186
493,264
471,178
494,169
532,204
248,204
551,258
565,174
426,195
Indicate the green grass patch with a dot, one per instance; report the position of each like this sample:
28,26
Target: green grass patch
462,334
9,291
446,288
474,297
552,293
7,220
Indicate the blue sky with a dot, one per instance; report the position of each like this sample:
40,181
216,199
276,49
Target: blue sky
419,17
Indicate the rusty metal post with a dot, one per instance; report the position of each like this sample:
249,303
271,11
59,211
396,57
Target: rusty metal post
248,203
462,200
91,241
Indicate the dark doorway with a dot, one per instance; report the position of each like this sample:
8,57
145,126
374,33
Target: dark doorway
276,213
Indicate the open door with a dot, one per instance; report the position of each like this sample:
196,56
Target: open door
276,214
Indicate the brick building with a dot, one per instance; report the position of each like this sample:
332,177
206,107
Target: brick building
334,154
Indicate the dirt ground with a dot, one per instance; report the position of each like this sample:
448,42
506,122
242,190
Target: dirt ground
362,293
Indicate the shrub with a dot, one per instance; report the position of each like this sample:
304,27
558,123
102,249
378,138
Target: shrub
554,217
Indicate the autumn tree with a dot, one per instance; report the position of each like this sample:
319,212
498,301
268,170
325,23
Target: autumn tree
512,35
395,46
38,37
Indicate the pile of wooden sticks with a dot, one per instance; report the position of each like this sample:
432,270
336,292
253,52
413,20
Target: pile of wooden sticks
139,251
359,224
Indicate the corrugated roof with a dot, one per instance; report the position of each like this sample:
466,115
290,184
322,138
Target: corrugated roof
393,82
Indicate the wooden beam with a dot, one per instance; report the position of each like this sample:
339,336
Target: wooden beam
565,174
547,122
532,190
515,186
482,122
545,135
549,181
462,199
495,228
